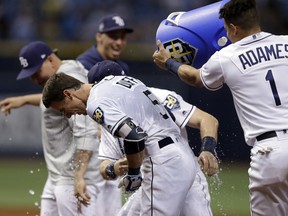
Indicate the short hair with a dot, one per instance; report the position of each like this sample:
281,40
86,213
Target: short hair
54,88
242,13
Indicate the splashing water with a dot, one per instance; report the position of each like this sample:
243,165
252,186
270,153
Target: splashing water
32,192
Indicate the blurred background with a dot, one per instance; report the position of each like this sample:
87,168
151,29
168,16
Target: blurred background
70,26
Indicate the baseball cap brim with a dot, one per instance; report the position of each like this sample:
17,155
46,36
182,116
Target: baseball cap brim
25,73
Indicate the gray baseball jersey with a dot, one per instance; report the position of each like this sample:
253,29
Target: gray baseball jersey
61,137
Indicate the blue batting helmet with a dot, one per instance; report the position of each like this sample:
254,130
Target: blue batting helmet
192,37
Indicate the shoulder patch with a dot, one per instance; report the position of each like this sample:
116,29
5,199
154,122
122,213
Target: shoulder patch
98,115
171,102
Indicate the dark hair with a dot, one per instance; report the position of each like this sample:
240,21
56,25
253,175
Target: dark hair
55,85
242,13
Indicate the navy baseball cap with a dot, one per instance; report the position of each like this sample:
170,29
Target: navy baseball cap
103,69
31,58
113,22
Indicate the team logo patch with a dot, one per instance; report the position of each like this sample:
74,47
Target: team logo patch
171,102
98,115
181,51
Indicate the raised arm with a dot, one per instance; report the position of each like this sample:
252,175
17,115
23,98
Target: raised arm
16,102
186,73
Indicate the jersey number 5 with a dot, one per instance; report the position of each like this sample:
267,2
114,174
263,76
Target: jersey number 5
269,77
155,102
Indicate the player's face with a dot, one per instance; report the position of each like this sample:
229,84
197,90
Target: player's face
111,44
45,72
70,106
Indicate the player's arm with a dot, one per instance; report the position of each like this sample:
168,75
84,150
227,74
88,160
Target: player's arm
134,145
82,158
85,138
110,170
208,126
19,101
187,73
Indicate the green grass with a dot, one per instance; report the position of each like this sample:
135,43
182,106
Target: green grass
22,181
229,190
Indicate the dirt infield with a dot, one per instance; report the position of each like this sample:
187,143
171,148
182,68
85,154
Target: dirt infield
19,212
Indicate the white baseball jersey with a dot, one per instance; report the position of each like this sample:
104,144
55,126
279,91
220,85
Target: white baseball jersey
108,106
112,148
160,170
255,69
60,138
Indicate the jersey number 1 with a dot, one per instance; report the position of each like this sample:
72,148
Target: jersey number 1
269,77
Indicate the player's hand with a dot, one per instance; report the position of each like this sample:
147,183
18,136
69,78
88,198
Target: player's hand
11,103
161,55
131,182
208,163
80,191
121,167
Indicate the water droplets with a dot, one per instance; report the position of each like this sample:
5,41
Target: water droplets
32,192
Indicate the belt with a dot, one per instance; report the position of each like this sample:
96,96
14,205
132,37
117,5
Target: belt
268,134
164,142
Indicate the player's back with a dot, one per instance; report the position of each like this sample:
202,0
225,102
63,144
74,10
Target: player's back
256,74
120,97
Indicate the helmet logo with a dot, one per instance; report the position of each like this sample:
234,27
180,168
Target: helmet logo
181,51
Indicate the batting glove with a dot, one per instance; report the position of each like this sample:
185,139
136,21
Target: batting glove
131,182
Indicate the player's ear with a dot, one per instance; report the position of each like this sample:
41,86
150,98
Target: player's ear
234,29
67,93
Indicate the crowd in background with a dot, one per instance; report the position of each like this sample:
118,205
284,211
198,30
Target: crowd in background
77,20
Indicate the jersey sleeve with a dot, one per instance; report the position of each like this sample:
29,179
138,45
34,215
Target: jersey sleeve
175,104
211,73
182,112
105,112
110,147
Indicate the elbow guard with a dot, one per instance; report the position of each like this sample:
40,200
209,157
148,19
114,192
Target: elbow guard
134,136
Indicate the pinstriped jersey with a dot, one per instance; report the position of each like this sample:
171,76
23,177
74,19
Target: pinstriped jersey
112,148
256,70
117,98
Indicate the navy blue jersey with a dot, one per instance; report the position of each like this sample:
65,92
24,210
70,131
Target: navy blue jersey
91,56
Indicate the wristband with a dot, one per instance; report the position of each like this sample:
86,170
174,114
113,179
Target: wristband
133,171
172,66
109,170
209,144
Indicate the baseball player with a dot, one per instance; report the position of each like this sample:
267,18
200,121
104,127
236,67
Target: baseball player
70,145
151,138
254,68
110,42
111,150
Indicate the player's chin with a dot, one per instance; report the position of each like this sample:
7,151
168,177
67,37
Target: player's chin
115,54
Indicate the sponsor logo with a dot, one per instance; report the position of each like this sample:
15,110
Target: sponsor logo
181,51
